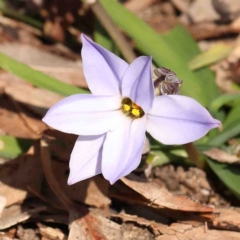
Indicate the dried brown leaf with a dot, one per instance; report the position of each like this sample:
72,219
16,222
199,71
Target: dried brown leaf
84,225
177,231
77,231
37,57
27,233
59,67
94,227
19,174
18,213
206,30
181,5
136,6
18,25
23,124
202,11
36,99
51,233
159,197
155,227
3,202
61,144
70,75
222,156
229,218
7,238
92,191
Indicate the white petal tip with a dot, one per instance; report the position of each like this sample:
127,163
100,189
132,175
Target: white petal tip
70,181
85,38
218,123
215,124
112,181
73,178
47,120
44,119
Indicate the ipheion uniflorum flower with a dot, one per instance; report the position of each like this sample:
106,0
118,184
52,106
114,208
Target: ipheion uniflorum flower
112,121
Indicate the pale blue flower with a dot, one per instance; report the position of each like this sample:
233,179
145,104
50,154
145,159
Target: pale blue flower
112,121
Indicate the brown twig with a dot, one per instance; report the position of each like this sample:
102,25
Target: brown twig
194,155
23,117
47,169
44,199
18,24
113,31
82,222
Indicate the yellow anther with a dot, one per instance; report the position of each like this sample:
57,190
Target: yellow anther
131,109
126,107
136,112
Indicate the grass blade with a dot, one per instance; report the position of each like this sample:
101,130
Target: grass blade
217,103
151,43
214,54
229,132
11,147
37,78
233,116
229,174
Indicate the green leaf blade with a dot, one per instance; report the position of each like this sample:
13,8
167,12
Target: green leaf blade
11,147
229,174
37,78
229,132
214,54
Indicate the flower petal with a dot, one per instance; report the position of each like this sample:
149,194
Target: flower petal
137,83
122,149
176,119
103,70
85,160
85,114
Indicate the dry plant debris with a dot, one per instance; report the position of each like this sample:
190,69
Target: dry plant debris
190,182
178,231
19,174
18,213
229,218
159,197
222,156
51,233
28,126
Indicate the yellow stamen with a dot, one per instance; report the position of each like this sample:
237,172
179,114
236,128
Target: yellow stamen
126,107
131,109
136,112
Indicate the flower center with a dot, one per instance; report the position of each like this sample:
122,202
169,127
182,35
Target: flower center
131,109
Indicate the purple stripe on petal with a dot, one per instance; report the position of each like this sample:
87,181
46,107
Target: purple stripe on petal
137,83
